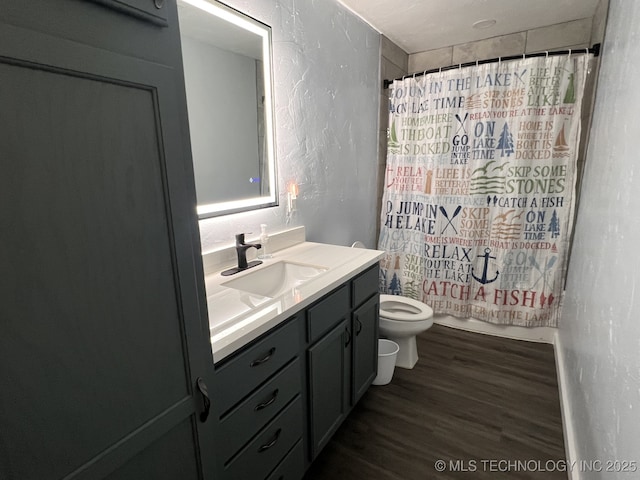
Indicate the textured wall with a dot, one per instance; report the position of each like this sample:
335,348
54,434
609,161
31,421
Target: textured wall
326,80
600,328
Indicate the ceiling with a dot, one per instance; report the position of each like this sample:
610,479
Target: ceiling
419,25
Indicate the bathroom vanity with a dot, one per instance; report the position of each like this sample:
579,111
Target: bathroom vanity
284,388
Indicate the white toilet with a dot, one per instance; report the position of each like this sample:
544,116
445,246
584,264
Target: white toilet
401,319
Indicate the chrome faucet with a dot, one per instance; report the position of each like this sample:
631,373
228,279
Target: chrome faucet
241,252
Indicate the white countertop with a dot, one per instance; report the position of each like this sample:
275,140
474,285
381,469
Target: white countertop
236,317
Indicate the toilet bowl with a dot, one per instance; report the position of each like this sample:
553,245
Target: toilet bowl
401,319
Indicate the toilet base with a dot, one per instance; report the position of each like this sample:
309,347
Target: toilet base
408,354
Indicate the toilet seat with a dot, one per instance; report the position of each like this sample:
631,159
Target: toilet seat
404,309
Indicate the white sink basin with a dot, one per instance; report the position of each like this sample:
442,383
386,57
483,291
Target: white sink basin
275,279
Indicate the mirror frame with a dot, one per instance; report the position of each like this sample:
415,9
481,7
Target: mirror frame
263,30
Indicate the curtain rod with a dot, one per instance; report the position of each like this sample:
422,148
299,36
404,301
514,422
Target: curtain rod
595,50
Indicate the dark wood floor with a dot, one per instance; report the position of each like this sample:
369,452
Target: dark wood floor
471,398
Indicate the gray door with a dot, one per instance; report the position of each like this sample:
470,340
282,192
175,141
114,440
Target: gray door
102,332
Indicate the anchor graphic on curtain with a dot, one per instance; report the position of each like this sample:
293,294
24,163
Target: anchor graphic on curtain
484,279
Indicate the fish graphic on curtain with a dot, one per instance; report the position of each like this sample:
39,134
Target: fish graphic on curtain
479,188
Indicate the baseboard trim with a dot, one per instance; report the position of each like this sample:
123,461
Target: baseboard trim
531,334
570,444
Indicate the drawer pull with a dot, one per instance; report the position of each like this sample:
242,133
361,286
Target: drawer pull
263,405
260,361
270,444
348,341
202,388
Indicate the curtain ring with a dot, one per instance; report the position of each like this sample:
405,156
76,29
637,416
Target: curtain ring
586,51
546,54
459,66
499,60
476,63
569,52
523,56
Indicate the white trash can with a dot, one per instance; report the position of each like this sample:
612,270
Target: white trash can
387,353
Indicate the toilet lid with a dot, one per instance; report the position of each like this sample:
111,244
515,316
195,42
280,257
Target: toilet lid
396,307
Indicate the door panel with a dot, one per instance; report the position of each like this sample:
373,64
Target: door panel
169,458
101,336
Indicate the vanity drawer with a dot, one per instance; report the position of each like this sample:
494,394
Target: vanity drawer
269,447
365,285
327,313
237,428
249,369
292,467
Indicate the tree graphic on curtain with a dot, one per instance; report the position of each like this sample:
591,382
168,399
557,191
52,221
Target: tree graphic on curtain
554,225
505,143
570,94
394,287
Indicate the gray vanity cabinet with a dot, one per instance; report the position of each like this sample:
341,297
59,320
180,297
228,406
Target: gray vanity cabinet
342,357
103,330
259,411
282,397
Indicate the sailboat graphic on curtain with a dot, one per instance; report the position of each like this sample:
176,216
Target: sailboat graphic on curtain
479,188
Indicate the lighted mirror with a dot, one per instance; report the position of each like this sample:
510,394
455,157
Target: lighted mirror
227,70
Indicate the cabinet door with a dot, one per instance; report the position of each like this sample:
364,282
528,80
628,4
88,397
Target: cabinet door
328,377
101,337
365,347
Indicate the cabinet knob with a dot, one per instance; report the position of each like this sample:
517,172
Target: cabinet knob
358,327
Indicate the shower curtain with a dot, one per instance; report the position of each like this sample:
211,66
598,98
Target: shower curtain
479,188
